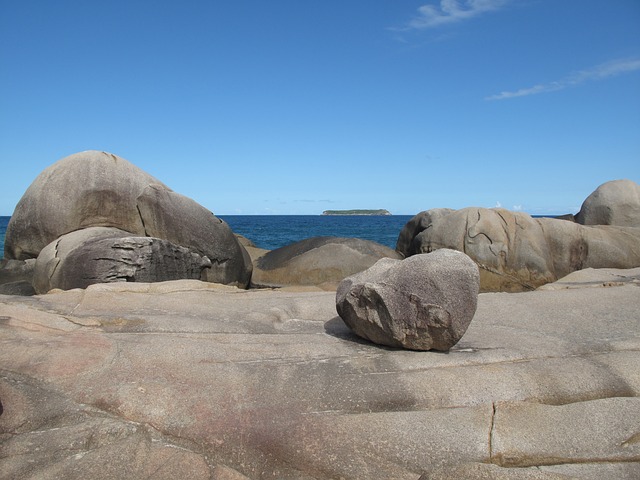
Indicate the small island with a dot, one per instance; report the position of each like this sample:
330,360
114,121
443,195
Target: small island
356,212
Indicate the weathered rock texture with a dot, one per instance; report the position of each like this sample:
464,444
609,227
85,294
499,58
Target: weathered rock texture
16,277
188,379
422,303
99,189
319,261
612,203
103,255
516,252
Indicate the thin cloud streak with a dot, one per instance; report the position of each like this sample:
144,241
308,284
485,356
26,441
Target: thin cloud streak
451,11
599,72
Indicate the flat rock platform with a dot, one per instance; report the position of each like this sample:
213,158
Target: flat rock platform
192,380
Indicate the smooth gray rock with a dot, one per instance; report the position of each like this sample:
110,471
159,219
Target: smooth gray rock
595,277
516,252
182,221
103,255
99,189
86,189
416,225
272,384
525,433
424,302
613,203
319,261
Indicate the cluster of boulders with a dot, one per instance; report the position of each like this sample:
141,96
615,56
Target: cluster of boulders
93,217
516,252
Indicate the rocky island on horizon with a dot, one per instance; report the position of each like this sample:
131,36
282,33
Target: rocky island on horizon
357,212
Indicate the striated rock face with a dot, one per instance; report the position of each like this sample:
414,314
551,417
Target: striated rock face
103,255
612,203
189,379
319,261
99,189
422,303
516,252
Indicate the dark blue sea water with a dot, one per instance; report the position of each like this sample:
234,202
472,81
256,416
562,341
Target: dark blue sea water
274,231
4,221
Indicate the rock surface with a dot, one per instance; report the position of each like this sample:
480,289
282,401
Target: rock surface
612,203
16,277
422,303
134,380
416,225
319,261
516,252
99,189
103,255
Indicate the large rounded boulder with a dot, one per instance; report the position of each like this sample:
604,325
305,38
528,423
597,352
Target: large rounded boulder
104,255
613,203
424,302
317,261
99,189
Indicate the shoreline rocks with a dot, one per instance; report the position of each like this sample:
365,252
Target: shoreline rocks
99,189
317,261
516,252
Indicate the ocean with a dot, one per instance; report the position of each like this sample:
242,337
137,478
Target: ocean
275,231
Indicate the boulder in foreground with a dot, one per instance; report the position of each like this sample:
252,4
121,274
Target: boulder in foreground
422,303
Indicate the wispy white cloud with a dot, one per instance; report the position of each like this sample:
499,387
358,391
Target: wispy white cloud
451,11
599,72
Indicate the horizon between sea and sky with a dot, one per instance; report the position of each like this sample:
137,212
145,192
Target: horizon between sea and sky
291,107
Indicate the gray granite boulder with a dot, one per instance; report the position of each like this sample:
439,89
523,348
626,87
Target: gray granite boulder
424,302
416,225
182,221
613,203
86,189
516,252
104,255
317,261
99,189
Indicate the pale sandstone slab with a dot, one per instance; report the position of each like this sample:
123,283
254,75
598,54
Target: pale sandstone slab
605,430
272,384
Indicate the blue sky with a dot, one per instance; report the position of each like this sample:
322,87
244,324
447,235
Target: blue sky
298,106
